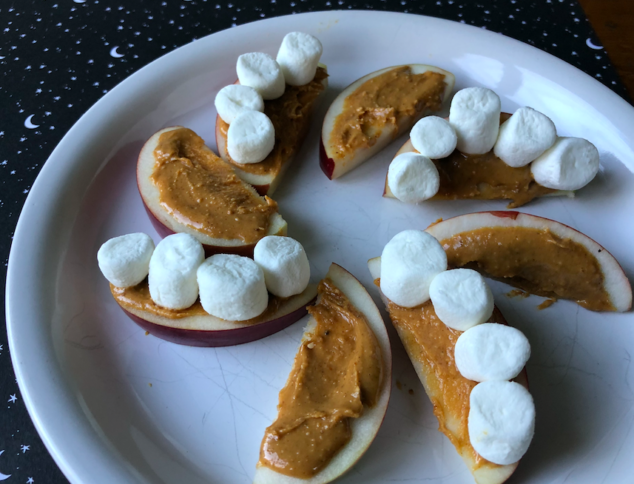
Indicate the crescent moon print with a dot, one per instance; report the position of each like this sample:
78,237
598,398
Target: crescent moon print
28,123
79,1
3,476
114,53
593,46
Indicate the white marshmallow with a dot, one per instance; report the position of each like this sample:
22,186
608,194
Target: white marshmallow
434,137
261,72
173,271
491,351
232,287
475,115
234,99
284,263
409,262
501,421
524,136
461,298
570,164
413,178
125,260
299,57
251,137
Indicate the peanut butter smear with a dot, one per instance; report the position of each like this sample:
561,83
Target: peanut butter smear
384,101
431,342
336,372
290,115
486,177
138,297
200,190
534,260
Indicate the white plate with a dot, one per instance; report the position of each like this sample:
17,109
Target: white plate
116,406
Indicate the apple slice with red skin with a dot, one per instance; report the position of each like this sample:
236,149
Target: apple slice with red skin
263,184
364,428
334,165
210,331
487,472
616,284
166,224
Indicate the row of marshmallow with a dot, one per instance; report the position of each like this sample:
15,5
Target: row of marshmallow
528,136
501,417
230,287
251,135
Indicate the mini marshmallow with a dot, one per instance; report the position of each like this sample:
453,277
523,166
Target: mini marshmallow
409,262
299,57
524,136
232,287
173,271
434,137
284,263
261,72
234,99
501,421
413,178
570,164
251,137
491,351
125,260
461,298
475,115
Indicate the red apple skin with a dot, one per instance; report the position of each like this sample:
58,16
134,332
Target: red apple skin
326,163
228,337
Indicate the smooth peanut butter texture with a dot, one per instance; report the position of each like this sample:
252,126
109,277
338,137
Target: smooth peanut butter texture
202,191
138,297
290,115
534,260
382,102
337,371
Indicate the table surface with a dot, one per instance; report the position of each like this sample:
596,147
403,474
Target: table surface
59,57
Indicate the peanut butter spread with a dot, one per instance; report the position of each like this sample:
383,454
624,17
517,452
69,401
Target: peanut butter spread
534,260
431,343
486,177
200,190
290,115
138,297
336,372
384,101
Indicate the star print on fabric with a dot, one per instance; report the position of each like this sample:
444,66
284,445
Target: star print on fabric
12,399
24,448
30,480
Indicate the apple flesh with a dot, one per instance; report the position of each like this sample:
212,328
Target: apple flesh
335,165
616,284
209,331
364,428
165,223
264,184
487,472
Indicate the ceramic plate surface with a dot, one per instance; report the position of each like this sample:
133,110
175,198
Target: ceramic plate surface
116,406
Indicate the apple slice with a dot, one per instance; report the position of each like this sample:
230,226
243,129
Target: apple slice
364,428
335,164
437,383
470,177
553,269
166,223
194,327
295,106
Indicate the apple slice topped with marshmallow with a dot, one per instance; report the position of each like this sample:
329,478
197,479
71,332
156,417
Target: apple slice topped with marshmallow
463,352
481,153
175,294
538,255
187,188
337,392
260,129
372,111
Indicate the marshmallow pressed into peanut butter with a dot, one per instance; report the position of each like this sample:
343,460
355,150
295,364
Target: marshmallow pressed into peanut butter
234,99
250,137
413,178
125,260
299,57
475,115
434,137
284,263
261,72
